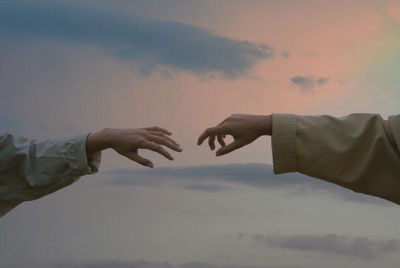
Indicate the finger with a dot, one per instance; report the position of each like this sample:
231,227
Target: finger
157,148
211,131
137,158
221,140
160,134
211,142
236,144
164,141
159,129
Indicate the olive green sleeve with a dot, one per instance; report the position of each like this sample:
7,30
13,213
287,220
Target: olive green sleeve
358,151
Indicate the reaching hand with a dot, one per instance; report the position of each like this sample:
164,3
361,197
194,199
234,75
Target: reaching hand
127,142
243,128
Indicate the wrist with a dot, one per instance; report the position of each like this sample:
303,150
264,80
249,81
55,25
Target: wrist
98,141
265,125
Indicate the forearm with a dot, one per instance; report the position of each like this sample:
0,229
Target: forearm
30,169
356,151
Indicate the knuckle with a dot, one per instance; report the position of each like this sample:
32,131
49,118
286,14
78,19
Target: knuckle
142,142
159,148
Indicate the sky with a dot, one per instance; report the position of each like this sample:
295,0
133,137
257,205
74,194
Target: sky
73,67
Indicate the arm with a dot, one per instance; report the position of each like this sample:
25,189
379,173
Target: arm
31,169
358,151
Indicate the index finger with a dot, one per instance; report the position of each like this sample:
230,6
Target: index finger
158,149
160,129
209,132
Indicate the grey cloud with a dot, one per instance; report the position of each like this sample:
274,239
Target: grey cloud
285,54
124,264
322,80
113,264
148,264
146,41
206,265
221,178
308,83
207,187
362,247
257,175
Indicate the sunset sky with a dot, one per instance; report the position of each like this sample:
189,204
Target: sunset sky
72,67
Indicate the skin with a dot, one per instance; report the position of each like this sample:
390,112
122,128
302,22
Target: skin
127,142
243,128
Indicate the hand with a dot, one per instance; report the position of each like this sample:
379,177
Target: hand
127,142
243,128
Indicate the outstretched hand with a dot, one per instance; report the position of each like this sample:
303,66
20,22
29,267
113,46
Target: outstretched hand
127,142
242,127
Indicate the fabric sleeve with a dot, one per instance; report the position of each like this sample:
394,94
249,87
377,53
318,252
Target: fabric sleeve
30,169
358,151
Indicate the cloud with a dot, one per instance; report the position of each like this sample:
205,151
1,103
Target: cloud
146,264
221,178
124,264
206,188
256,175
113,264
308,83
285,54
331,243
148,42
206,265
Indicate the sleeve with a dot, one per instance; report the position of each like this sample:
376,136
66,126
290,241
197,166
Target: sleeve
30,169
358,151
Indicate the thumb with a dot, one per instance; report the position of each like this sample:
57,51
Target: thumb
236,144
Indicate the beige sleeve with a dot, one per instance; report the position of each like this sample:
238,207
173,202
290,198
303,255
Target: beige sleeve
30,169
358,151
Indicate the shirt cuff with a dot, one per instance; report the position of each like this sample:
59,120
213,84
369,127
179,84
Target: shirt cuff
284,143
78,158
393,126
